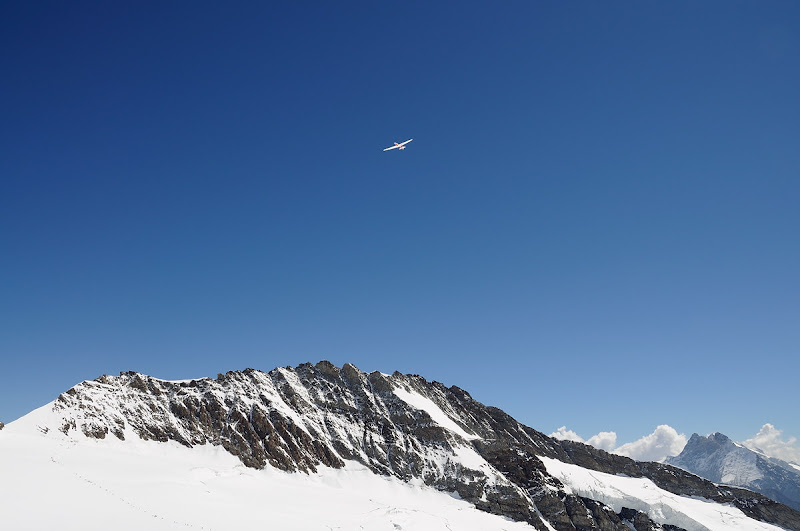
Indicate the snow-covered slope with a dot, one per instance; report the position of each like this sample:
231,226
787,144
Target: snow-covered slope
54,481
318,447
642,494
719,459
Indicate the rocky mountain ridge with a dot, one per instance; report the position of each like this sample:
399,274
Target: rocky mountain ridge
719,459
301,418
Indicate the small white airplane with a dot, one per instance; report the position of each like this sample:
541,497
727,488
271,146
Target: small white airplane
399,146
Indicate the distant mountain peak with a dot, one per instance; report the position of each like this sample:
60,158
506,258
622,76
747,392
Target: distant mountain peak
717,458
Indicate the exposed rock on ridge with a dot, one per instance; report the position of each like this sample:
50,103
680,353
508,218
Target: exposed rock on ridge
298,419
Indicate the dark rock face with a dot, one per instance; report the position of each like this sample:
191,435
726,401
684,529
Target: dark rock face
718,459
298,419
2,425
641,522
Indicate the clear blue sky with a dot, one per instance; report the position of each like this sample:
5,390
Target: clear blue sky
597,224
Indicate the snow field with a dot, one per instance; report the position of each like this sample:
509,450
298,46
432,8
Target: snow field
427,405
52,481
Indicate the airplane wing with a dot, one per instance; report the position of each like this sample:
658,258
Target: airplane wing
396,145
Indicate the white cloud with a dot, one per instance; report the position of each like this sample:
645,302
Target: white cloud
660,444
666,442
768,441
563,434
605,440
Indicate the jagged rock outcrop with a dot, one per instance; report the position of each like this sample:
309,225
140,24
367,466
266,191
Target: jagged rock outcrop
641,522
299,419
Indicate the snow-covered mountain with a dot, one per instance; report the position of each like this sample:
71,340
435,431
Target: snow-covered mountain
322,447
719,459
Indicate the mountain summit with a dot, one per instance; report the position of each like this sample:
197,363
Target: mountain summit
719,459
312,420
